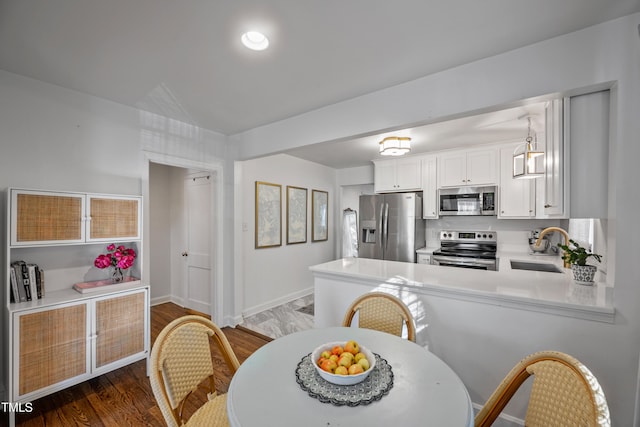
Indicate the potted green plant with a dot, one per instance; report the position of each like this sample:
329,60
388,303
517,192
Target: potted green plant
577,256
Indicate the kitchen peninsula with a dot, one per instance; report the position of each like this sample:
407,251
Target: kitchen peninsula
479,322
554,293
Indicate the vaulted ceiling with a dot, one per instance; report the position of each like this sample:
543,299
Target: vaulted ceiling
184,59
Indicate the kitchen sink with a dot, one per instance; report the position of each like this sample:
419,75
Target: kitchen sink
535,266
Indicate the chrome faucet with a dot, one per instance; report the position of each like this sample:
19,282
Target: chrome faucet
564,234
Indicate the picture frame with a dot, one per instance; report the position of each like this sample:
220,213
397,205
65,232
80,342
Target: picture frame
319,215
268,215
296,215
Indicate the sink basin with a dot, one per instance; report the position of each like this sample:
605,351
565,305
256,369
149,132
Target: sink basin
535,266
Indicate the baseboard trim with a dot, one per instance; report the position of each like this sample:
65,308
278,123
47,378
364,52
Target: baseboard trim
276,302
160,300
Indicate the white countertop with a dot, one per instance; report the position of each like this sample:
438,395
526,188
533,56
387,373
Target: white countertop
555,293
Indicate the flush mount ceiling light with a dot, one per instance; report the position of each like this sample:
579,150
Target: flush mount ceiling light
255,40
528,160
395,145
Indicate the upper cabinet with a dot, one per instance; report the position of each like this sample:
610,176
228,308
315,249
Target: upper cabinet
516,196
468,167
113,217
552,193
430,187
403,174
53,218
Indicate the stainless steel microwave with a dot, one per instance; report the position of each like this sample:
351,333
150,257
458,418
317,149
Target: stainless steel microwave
467,201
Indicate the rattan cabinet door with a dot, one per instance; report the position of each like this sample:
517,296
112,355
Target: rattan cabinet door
120,328
40,217
52,347
113,218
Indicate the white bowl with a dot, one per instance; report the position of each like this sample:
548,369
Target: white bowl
342,379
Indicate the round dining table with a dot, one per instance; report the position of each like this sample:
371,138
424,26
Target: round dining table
424,391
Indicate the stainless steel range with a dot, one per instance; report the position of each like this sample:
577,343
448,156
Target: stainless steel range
467,249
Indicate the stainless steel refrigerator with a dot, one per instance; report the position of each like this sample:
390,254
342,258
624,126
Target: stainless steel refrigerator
391,226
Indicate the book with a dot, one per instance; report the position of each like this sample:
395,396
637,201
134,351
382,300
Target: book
102,285
31,268
18,296
40,282
22,280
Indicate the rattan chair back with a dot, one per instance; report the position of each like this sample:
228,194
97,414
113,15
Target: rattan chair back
382,312
564,393
180,361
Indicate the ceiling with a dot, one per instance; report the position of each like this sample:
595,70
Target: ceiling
184,59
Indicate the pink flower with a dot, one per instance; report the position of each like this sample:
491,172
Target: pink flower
120,257
126,261
103,261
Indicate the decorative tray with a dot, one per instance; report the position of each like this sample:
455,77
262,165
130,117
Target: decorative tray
372,389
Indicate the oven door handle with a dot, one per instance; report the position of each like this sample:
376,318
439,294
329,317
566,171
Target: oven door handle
463,261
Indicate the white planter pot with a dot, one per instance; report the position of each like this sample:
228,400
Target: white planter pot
583,274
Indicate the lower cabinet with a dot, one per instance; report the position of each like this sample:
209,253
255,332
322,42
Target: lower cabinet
51,346
60,345
120,328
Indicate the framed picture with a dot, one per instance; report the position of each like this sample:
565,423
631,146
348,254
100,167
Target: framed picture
296,215
268,215
320,215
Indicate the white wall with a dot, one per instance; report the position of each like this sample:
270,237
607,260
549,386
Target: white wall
160,231
604,53
275,275
58,139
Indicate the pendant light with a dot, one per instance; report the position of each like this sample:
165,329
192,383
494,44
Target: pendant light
528,160
395,146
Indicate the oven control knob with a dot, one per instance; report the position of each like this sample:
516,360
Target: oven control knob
491,236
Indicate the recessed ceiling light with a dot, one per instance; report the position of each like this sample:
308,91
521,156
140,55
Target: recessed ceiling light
255,40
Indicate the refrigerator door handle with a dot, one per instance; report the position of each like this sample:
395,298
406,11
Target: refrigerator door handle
380,226
385,226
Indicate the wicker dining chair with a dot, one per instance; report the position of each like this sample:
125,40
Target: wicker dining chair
180,361
564,393
382,312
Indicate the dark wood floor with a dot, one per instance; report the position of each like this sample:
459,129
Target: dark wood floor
123,397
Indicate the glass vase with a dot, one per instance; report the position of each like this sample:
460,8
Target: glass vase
116,275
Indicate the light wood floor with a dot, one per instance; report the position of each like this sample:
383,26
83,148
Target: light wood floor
123,397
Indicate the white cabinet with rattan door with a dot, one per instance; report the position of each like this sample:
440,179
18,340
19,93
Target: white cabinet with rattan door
120,324
57,346
54,336
113,217
56,218
50,346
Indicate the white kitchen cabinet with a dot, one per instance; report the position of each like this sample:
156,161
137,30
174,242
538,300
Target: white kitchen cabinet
468,167
58,345
403,174
516,196
553,192
55,218
423,259
430,187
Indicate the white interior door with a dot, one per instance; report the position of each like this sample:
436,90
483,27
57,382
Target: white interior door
197,256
